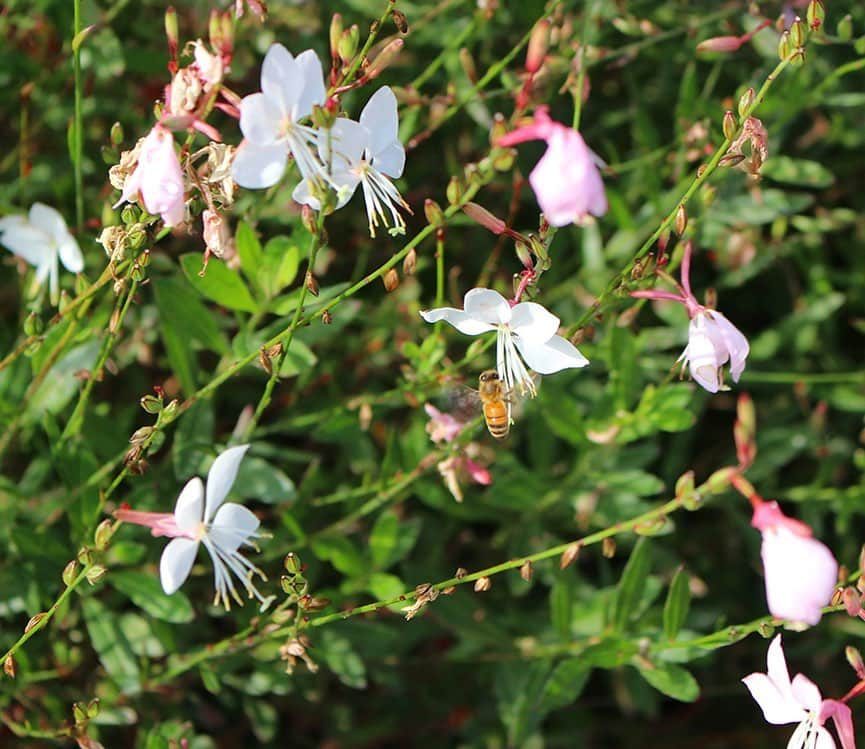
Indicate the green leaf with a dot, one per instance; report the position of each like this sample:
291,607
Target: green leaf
631,585
179,304
280,265
264,482
677,604
146,592
341,553
249,250
339,656
385,587
220,284
797,172
114,651
564,684
193,440
672,680
298,358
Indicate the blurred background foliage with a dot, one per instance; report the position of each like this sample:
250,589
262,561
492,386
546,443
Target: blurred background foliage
340,469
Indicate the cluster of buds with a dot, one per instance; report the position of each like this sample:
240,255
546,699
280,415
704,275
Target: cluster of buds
468,464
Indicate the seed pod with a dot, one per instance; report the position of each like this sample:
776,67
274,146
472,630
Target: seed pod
433,212
151,404
746,100
681,222
454,191
383,59
102,535
326,317
399,20
797,33
96,573
292,563
9,667
70,571
483,584
608,547
784,46
34,622
311,283
729,125
335,35
569,555
526,571
410,262
391,280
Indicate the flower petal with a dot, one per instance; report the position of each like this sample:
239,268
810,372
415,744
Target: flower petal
488,306
533,323
551,356
256,167
380,118
176,562
807,693
220,478
343,145
260,119
70,255
777,667
32,244
282,82
232,525
776,709
735,344
188,512
313,84
459,319
843,718
49,220
390,160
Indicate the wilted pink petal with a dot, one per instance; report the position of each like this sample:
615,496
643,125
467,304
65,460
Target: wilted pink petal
566,180
441,427
720,44
843,719
478,473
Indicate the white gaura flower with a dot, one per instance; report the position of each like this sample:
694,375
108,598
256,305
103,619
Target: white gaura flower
799,701
201,517
270,120
713,341
364,153
42,238
526,332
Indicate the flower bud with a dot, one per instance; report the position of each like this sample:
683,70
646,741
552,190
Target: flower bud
311,603
526,570
681,222
784,46
524,255
454,191
151,404
169,413
746,101
292,563
815,15
844,29
729,125
483,584
311,283
383,59
538,44
797,33
96,573
608,547
433,212
141,435
335,35
9,667
34,622
70,572
116,134
399,20
171,31
347,46
410,262
103,534
33,324
850,598
486,219
93,708
854,658
79,712
391,280
569,555
720,44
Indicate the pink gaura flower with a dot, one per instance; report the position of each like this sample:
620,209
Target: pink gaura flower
442,427
799,701
566,180
712,339
157,178
800,571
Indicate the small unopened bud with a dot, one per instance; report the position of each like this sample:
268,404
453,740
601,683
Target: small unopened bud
383,59
454,191
815,15
731,159
746,101
151,404
140,435
461,573
116,133
685,484
844,29
102,535
390,279
84,556
70,572
433,213
169,413
797,32
399,20
483,584
292,563
347,46
79,712
93,708
409,263
784,46
850,599
569,555
797,59
854,658
9,666
526,570
311,283
719,481
137,272
486,219
608,547
171,31
34,622
32,324
95,573
538,43
720,44
335,35
681,222
467,63
729,125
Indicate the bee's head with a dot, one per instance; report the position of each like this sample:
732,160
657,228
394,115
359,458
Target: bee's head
490,375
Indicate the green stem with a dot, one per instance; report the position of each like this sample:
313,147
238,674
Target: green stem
76,421
440,268
348,77
78,140
813,378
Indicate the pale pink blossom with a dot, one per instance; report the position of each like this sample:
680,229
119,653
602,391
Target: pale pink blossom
566,180
442,427
799,701
157,178
713,340
800,571
458,467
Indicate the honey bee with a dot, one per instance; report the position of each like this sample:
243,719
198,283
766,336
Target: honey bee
495,403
